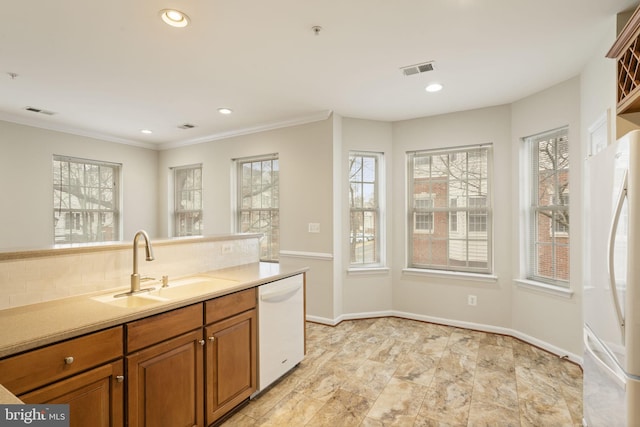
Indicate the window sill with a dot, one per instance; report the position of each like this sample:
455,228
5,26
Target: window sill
544,287
367,270
460,275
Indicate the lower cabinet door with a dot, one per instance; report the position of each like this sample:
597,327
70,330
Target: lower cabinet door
95,398
230,363
165,383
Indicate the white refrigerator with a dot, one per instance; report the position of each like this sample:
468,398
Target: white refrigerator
611,292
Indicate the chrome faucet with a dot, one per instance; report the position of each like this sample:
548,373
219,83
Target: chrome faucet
135,277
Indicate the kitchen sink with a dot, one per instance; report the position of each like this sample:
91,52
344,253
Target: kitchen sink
130,301
178,289
191,286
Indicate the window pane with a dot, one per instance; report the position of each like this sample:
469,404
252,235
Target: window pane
450,209
188,201
364,208
548,260
85,201
258,193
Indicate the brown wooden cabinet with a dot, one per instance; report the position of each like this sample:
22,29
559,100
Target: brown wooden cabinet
626,51
165,383
182,368
166,366
231,354
230,363
95,398
165,372
84,372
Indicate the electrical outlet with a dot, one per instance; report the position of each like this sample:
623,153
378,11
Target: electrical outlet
314,227
472,300
227,248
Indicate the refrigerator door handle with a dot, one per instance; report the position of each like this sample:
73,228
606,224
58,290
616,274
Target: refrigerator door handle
603,357
612,240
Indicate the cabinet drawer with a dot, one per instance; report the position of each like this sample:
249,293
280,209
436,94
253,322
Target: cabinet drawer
36,368
229,305
145,332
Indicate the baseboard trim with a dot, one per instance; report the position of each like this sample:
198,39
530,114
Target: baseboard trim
455,323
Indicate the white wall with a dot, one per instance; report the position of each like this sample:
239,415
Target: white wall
554,319
366,292
433,295
306,195
26,155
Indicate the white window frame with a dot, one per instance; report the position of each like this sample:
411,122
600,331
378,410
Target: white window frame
262,218
531,254
418,162
195,193
362,241
90,197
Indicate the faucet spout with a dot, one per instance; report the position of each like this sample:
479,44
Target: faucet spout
135,277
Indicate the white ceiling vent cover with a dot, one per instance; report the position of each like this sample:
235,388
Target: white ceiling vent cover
410,70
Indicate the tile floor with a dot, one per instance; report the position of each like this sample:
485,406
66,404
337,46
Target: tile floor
391,371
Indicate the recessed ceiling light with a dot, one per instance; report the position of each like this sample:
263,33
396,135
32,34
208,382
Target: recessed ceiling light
225,110
146,131
175,18
434,87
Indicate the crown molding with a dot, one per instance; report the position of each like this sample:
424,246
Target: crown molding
73,131
316,117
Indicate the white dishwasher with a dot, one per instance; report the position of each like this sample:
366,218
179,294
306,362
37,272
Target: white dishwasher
280,328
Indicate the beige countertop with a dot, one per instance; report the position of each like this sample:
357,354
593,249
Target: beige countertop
7,398
28,327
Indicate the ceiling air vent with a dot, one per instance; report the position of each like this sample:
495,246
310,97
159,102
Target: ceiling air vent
187,126
417,68
39,110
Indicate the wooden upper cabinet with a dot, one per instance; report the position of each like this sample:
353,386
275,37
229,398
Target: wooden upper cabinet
626,50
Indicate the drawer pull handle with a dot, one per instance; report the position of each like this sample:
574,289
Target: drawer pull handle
212,339
68,360
201,342
120,378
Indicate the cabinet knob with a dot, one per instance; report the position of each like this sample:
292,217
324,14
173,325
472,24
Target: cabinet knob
212,339
68,360
120,378
201,342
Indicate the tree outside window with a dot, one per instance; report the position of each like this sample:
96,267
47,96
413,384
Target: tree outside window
258,202
548,259
449,193
188,200
364,206
85,200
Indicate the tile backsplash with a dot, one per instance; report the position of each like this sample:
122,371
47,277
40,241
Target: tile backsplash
37,279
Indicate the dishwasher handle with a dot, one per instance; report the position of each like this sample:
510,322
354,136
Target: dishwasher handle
280,294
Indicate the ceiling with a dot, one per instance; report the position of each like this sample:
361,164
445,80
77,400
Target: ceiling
112,68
